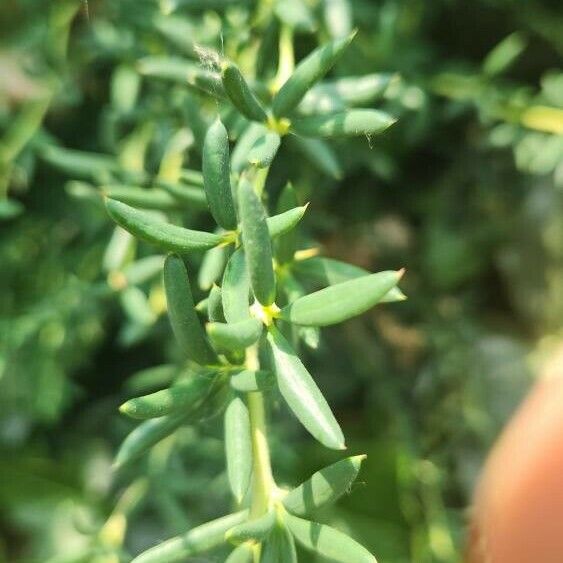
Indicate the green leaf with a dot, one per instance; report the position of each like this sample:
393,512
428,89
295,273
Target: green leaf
238,447
286,245
342,301
330,97
264,150
338,17
196,541
151,378
192,196
144,198
308,71
181,397
212,267
217,175
240,93
215,305
320,154
183,72
351,123
504,54
193,177
242,554
324,487
148,434
256,529
284,222
181,311
327,541
257,245
279,547
322,271
80,164
142,270
235,290
170,168
239,157
302,394
295,14
248,381
147,227
235,336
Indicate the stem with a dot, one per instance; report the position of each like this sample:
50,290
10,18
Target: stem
262,479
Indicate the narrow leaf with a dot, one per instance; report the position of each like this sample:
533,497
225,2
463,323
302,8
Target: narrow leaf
302,394
144,198
238,447
181,311
256,529
279,547
151,378
350,123
329,97
308,71
215,305
239,157
212,267
148,434
322,271
328,542
284,222
242,554
320,154
248,381
193,177
235,290
184,72
235,336
240,93
342,301
217,175
181,397
257,245
147,227
286,245
196,541
264,150
192,196
324,487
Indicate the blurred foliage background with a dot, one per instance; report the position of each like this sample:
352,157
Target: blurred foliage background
466,192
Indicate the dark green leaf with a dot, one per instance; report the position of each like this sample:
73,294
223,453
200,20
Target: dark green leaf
217,175
235,290
257,245
240,93
184,396
308,71
154,230
181,311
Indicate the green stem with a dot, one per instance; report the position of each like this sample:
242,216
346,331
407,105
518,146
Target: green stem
262,479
